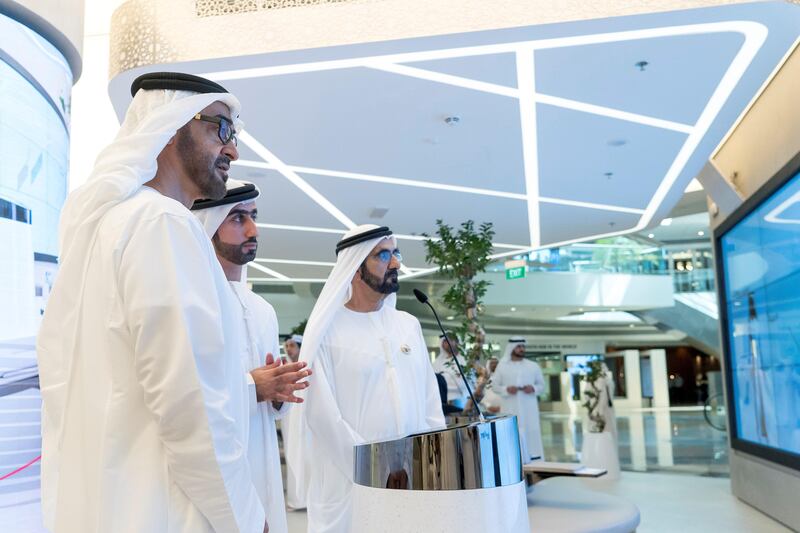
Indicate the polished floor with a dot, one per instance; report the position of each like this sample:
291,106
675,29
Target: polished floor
675,470
650,440
668,503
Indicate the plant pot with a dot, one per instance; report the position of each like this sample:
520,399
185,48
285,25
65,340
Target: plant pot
600,451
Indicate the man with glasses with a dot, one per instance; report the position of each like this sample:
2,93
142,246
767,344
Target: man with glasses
139,351
373,378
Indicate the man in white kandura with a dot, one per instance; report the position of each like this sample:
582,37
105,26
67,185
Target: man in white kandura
296,476
519,382
139,363
231,224
457,393
292,347
372,373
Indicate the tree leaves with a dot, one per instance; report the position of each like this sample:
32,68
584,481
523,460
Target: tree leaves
462,254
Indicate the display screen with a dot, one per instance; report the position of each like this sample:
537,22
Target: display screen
759,255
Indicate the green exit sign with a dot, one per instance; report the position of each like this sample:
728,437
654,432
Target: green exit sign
516,273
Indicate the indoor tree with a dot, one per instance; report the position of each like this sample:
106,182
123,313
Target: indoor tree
461,255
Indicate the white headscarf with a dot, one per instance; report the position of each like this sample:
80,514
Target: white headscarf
338,291
297,339
213,217
513,342
120,170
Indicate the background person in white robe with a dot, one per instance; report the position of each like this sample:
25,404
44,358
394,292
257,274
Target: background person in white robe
606,401
457,393
231,225
296,474
138,366
372,372
292,347
519,382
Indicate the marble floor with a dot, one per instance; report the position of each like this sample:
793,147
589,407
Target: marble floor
650,440
675,470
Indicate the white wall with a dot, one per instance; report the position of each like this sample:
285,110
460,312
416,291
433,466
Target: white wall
17,308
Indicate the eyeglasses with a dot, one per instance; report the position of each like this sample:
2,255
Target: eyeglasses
384,256
226,132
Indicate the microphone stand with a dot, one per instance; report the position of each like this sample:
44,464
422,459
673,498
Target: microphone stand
454,355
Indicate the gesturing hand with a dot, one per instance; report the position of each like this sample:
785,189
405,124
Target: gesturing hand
277,382
512,389
528,389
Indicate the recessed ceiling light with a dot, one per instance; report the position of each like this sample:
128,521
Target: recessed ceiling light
513,308
701,233
666,222
617,142
613,309
631,325
650,235
450,317
580,309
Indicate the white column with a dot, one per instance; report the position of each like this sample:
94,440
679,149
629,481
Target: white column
658,366
633,382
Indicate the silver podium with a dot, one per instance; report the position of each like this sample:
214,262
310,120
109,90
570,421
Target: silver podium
465,477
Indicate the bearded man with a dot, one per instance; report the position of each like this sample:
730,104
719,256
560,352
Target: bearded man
373,378
139,361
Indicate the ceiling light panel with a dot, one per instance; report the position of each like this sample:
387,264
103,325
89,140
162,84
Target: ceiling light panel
382,123
415,211
605,74
584,222
497,69
281,202
638,165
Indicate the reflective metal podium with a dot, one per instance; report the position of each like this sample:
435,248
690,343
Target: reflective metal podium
466,477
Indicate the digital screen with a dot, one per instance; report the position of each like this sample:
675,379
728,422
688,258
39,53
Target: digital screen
760,260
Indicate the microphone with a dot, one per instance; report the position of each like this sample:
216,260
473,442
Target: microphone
423,299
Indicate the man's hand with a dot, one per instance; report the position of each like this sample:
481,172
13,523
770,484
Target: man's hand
494,409
512,389
528,389
266,527
276,382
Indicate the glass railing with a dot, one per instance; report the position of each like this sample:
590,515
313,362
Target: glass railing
691,268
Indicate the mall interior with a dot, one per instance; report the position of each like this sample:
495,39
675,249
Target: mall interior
630,166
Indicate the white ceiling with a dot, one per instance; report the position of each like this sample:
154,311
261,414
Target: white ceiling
561,137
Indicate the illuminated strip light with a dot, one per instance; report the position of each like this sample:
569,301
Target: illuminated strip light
269,271
295,262
448,79
755,34
479,50
612,113
430,185
590,205
264,153
566,103
774,216
422,272
386,179
526,79
294,280
311,229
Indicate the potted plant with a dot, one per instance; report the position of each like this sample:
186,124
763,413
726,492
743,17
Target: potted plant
462,255
599,448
